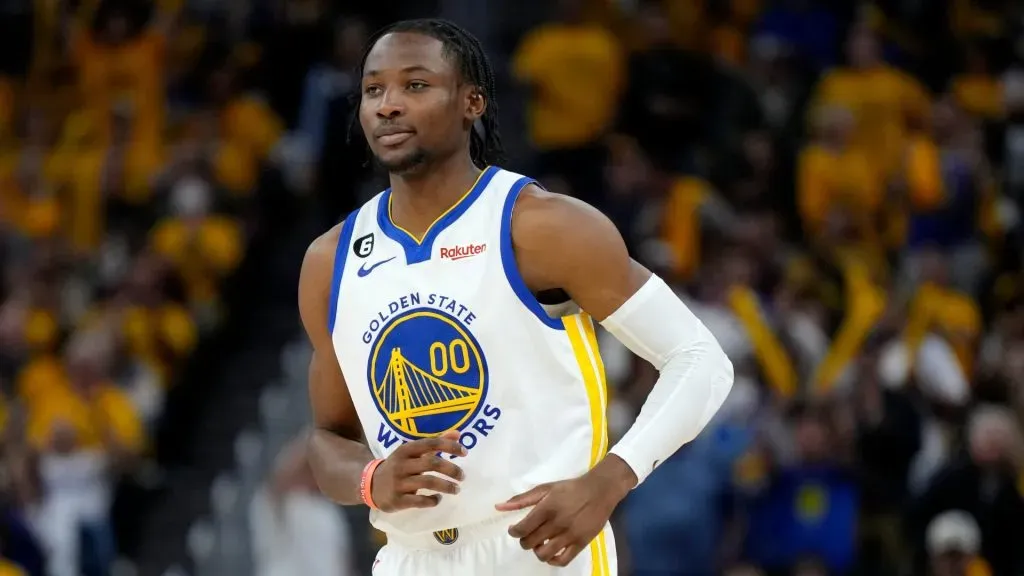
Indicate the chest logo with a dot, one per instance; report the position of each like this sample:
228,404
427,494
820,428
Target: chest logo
365,270
427,373
464,251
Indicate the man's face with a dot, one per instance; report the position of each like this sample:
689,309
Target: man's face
950,563
414,109
863,49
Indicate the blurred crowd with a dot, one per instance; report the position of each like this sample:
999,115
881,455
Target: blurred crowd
834,187
129,156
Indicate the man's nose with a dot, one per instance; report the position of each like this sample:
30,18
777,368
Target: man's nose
391,105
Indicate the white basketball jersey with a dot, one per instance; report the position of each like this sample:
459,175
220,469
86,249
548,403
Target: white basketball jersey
442,333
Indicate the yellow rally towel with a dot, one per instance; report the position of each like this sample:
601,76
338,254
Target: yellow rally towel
681,224
865,303
771,354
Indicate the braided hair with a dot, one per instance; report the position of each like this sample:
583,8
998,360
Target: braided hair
485,146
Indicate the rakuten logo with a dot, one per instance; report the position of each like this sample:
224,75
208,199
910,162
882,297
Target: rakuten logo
460,252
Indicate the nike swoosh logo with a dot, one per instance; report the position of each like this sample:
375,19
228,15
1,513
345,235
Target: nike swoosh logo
364,271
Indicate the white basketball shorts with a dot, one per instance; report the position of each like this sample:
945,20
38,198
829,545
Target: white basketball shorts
486,549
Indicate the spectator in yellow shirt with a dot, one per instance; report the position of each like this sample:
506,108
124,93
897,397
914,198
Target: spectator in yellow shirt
86,411
29,318
838,186
938,308
28,179
244,133
244,119
82,155
976,89
83,430
575,72
105,171
881,98
124,65
156,331
201,247
231,140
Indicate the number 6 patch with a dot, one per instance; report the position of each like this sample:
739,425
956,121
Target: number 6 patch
363,246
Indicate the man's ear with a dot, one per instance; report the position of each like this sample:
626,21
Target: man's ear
476,104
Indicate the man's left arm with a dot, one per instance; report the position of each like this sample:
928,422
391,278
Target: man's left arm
562,243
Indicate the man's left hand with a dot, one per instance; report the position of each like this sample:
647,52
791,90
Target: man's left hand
567,515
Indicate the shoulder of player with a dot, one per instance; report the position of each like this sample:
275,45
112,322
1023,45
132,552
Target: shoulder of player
557,238
317,271
543,219
320,253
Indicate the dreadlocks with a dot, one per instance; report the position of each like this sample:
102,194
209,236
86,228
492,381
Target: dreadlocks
485,146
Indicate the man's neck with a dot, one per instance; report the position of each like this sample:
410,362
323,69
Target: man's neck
419,199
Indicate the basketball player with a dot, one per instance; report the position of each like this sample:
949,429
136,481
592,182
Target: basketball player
456,383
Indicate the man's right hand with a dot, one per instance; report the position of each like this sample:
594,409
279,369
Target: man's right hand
398,478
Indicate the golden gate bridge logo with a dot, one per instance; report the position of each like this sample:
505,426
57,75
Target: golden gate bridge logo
427,373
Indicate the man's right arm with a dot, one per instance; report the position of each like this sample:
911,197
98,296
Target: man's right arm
336,453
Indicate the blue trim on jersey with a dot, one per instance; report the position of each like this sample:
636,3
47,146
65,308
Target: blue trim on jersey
420,250
340,253
508,259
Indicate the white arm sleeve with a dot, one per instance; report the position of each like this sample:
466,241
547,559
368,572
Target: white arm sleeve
695,375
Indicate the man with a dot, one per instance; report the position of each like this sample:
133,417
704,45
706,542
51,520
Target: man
295,530
953,542
456,384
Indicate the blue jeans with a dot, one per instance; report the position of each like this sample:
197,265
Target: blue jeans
98,548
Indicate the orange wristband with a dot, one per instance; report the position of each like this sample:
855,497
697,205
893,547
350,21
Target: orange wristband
366,483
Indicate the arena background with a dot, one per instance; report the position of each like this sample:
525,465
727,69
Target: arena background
833,186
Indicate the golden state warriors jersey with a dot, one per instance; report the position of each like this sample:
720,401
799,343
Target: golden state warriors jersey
441,333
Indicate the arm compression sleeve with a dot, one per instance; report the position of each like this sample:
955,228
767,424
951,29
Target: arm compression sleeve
695,375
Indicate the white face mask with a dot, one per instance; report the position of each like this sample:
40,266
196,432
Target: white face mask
115,259
191,196
776,105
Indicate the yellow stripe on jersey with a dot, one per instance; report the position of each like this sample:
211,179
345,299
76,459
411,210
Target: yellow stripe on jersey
606,568
587,357
595,558
599,565
588,331
580,328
